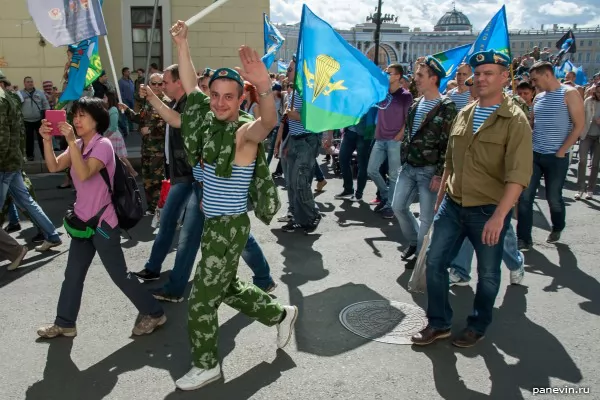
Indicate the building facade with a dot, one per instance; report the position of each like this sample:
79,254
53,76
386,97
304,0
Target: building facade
214,41
400,44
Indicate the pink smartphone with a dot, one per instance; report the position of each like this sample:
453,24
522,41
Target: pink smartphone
54,117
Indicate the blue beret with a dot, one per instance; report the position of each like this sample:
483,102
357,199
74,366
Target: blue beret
276,87
489,57
436,66
226,73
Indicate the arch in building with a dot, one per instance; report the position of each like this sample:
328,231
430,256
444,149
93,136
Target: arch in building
387,54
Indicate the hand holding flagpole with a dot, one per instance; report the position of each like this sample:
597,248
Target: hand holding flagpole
201,14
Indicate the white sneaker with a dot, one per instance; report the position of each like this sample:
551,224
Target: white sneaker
286,327
456,280
197,377
516,277
15,264
47,245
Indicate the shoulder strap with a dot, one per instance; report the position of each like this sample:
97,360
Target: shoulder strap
104,174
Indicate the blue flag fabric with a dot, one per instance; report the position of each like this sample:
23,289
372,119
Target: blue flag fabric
282,67
450,60
338,83
65,22
493,36
273,41
568,66
85,68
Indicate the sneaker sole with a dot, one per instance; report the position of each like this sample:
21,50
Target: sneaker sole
442,336
161,322
459,283
287,341
216,378
147,279
67,334
168,299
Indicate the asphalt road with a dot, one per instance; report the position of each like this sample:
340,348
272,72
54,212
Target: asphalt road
543,333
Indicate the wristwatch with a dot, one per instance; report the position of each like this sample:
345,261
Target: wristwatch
265,94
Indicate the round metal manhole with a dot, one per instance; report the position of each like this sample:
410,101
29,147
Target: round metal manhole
384,321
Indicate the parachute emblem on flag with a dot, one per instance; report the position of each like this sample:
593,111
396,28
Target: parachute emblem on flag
325,68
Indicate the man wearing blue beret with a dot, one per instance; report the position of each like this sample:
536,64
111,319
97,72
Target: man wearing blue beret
488,164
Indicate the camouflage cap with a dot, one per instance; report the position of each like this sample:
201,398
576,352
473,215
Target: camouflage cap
226,73
435,66
3,77
489,57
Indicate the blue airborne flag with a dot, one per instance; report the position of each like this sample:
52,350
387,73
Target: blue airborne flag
85,68
450,60
338,83
65,22
273,41
493,36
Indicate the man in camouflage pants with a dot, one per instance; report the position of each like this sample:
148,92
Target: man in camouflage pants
152,128
423,154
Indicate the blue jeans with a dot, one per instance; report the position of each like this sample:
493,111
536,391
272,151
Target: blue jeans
255,258
13,214
350,142
12,182
177,200
413,182
300,163
554,170
510,255
382,150
318,172
451,225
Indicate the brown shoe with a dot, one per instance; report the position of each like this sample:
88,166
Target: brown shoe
148,324
430,335
467,338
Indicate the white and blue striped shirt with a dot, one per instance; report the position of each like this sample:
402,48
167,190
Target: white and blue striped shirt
226,196
197,172
460,99
552,121
423,109
296,127
481,114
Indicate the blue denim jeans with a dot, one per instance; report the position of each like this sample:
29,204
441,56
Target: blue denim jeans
413,182
554,170
256,260
385,150
451,225
350,142
13,214
510,255
318,172
12,182
300,163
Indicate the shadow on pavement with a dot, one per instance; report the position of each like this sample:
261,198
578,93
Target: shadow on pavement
566,275
166,349
538,355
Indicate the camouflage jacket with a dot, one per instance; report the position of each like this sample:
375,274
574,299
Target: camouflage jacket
208,140
429,143
11,125
519,102
154,141
19,104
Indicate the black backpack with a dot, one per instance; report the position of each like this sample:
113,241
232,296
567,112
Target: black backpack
125,195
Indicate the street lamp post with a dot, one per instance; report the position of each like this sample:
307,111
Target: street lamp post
378,19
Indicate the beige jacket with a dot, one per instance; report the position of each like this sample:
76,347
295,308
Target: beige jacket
590,110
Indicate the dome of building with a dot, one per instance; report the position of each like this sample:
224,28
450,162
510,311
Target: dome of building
453,21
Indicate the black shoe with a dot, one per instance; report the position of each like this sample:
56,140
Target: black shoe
523,245
291,227
467,338
409,252
345,195
161,295
39,238
310,228
146,275
10,228
379,207
553,237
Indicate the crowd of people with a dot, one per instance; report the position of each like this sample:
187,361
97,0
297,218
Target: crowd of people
472,155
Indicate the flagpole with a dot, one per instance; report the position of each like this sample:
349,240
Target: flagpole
512,77
202,14
150,43
112,67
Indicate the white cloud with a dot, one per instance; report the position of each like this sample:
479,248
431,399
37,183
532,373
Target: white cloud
522,14
560,8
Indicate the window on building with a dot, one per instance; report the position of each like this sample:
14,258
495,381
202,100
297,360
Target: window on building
590,43
141,31
522,45
588,56
598,57
581,43
579,57
550,44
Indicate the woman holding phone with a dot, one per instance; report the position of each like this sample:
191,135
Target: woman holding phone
92,222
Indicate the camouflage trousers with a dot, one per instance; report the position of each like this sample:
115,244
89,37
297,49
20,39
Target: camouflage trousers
9,201
153,173
216,281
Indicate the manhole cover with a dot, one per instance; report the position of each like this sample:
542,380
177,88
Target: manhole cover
384,321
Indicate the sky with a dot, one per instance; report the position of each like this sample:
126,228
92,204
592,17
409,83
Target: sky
344,14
